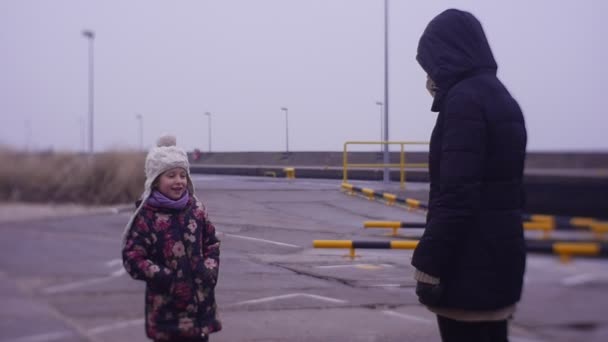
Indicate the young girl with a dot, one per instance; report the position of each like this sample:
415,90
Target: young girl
170,244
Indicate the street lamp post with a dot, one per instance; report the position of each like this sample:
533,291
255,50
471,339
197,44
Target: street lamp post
286,128
379,103
140,118
28,135
90,35
386,176
82,127
209,129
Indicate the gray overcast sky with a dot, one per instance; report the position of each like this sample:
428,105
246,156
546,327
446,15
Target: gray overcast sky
242,60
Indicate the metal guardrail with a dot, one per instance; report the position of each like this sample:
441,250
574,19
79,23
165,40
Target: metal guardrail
394,225
391,199
402,164
544,223
352,245
565,250
599,228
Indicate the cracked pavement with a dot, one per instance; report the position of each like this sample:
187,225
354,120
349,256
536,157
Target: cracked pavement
61,277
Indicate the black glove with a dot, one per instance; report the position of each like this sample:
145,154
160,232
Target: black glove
429,294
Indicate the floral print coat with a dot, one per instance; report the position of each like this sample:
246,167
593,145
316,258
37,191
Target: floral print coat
177,254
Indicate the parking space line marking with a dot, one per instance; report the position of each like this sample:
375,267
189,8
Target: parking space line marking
522,339
287,296
60,335
75,285
261,240
114,326
385,285
406,316
114,262
82,283
118,273
53,336
579,279
362,266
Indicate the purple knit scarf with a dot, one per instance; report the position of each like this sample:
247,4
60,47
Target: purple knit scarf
157,199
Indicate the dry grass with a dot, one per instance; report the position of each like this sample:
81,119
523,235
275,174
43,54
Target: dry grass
106,178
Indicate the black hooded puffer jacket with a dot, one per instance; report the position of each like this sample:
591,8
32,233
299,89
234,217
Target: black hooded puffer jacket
473,239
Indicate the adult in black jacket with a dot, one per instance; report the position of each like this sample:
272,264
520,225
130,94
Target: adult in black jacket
470,261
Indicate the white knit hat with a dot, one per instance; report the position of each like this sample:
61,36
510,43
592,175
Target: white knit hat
165,156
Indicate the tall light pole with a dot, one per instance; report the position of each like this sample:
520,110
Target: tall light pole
140,118
82,127
386,176
379,103
90,35
28,135
286,128
209,128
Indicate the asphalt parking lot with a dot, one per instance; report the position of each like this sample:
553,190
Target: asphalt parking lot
61,278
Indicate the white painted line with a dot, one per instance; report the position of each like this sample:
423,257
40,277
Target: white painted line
287,296
262,240
327,299
82,283
354,265
337,266
62,335
74,285
522,339
406,316
111,327
385,285
118,273
114,262
579,279
53,336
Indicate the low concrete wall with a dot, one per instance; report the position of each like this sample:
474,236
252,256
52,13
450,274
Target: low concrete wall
557,184
564,160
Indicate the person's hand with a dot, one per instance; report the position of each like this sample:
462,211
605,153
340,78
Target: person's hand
429,294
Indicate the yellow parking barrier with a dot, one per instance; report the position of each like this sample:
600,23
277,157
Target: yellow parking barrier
542,218
382,224
348,188
390,198
369,193
352,245
394,225
332,244
404,244
566,250
290,172
582,222
412,203
336,244
599,229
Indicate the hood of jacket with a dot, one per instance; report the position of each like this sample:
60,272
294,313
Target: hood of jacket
453,47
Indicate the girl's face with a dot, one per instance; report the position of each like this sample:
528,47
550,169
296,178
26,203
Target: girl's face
173,183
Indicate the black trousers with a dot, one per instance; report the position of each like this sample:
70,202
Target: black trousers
458,331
